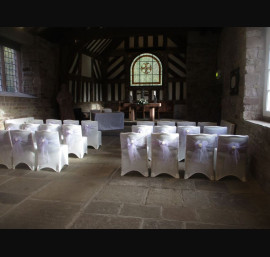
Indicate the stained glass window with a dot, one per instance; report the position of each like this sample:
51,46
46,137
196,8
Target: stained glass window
146,70
8,70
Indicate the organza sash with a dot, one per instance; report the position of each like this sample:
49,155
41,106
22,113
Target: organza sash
132,145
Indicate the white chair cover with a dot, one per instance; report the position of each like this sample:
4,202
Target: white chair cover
90,130
165,154
37,121
183,131
201,124
53,121
232,156
30,127
229,125
146,122
23,150
51,127
134,153
146,130
72,136
200,155
217,130
185,123
165,122
107,110
13,126
5,149
50,153
164,129
75,122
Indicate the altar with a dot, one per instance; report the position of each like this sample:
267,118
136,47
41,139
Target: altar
150,106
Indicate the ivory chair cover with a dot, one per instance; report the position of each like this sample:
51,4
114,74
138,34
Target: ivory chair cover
146,130
5,148
146,122
232,156
183,131
75,122
72,136
50,153
107,110
33,127
185,123
53,121
164,129
165,154
90,130
52,127
23,150
200,155
201,124
13,126
165,122
134,153
218,130
37,121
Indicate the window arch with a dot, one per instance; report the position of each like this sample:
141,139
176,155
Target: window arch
146,70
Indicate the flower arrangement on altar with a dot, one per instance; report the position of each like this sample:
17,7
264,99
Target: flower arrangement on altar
142,101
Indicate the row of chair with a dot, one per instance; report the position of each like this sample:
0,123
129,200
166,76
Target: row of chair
89,129
230,126
214,155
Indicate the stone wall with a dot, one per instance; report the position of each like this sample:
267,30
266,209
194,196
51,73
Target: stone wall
39,64
244,48
203,91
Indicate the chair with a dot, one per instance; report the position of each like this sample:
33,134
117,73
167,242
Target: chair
165,122
146,122
75,122
90,130
183,131
232,156
185,123
164,157
53,121
52,127
13,126
107,110
23,150
50,153
72,136
164,129
201,124
146,130
134,153
218,130
30,127
37,121
5,148
229,125
200,155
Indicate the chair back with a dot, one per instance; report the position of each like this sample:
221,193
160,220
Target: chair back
164,129
185,123
53,121
145,122
13,126
30,126
165,122
75,122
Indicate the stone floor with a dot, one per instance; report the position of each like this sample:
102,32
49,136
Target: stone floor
90,193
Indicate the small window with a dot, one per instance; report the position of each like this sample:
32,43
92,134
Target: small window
146,70
9,78
266,102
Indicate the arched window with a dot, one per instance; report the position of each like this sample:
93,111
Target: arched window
146,70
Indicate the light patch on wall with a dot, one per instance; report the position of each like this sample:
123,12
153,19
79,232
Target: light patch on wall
84,92
160,40
86,66
150,41
131,42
